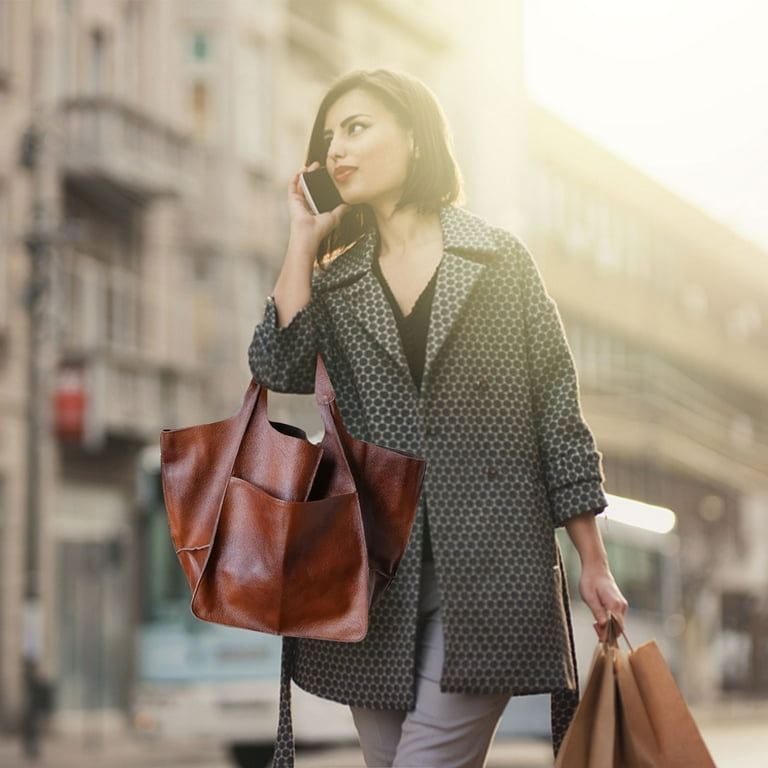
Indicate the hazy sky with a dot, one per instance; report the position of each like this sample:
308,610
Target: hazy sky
677,87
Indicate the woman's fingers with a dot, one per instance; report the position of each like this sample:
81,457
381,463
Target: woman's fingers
339,212
294,184
605,600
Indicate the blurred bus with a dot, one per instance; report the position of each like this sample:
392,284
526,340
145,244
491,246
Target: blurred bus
196,678
207,680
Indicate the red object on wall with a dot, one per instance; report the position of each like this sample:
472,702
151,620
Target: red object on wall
69,403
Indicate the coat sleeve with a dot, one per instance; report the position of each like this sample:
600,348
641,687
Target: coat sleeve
283,359
571,463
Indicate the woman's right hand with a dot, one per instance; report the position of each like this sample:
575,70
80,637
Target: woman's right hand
308,228
293,289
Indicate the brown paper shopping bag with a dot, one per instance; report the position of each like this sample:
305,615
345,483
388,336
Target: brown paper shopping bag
590,741
632,715
678,740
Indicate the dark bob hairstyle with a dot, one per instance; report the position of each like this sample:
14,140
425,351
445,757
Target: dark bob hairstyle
434,179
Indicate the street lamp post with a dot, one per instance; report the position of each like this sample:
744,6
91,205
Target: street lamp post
34,157
38,249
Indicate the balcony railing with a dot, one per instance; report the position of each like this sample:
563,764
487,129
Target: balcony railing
659,399
110,140
134,347
101,307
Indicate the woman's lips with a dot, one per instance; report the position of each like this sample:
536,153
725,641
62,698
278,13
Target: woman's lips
343,172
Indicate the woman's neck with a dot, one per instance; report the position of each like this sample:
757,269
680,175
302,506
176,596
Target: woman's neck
405,230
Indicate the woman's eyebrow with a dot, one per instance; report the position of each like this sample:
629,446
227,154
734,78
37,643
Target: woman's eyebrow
345,122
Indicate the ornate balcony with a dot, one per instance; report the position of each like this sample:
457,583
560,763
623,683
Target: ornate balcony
647,407
114,336
108,144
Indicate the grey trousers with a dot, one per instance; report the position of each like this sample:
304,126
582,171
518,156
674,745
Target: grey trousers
445,730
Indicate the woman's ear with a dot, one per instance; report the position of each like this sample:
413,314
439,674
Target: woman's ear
414,150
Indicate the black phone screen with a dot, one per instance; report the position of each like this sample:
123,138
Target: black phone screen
320,191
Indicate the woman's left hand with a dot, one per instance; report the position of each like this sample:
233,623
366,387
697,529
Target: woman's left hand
600,592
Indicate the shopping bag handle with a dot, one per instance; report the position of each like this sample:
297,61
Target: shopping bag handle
613,633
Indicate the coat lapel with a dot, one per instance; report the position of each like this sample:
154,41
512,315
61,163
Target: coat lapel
469,246
455,279
367,302
363,295
468,249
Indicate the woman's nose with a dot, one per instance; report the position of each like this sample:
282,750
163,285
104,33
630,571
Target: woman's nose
336,148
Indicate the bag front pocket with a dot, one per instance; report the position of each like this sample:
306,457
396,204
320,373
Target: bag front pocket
286,567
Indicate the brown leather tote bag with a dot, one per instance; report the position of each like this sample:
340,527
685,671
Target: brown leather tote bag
280,535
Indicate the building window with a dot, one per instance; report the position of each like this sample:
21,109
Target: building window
200,46
100,278
102,304
133,61
253,123
98,61
200,110
67,36
165,591
92,578
638,240
666,275
610,241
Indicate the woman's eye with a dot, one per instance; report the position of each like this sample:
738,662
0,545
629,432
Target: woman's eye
356,128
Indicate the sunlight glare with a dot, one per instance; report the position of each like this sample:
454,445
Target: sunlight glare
639,514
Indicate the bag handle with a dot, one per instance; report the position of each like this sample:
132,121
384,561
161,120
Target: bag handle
334,426
255,396
613,633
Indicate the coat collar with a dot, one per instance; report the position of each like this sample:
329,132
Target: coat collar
468,245
464,234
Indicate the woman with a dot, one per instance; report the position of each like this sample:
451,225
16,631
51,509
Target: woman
439,339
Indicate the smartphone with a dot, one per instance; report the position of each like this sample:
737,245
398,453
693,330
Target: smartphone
320,191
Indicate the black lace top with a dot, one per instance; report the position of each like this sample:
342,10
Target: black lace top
413,329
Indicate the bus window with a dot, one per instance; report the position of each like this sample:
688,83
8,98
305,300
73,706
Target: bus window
639,571
203,679
165,592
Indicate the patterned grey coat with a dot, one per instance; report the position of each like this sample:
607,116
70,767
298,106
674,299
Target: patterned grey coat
509,458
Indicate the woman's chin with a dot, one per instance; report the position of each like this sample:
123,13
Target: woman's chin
350,198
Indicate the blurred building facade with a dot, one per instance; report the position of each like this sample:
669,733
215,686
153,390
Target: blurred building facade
147,145
164,137
98,167
665,312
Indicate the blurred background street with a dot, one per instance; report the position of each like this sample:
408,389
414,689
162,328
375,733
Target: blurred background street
145,147
737,737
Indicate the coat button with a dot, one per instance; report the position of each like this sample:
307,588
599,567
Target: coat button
492,472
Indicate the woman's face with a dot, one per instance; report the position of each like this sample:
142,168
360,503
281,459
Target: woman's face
369,152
